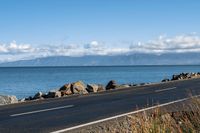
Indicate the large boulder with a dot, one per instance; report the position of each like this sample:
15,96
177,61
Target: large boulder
111,85
38,95
79,88
132,84
175,77
29,98
194,74
92,88
53,94
95,88
188,75
66,89
8,99
165,80
183,76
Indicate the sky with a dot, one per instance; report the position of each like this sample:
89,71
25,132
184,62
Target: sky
40,28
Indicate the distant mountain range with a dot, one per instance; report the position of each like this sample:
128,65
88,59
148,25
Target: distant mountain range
97,60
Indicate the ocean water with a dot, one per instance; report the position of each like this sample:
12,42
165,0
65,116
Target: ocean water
26,81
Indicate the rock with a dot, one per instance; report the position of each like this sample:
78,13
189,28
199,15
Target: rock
111,85
38,95
95,88
188,75
132,84
92,87
79,88
28,98
184,76
123,86
66,92
141,84
8,99
44,95
175,77
195,74
22,100
66,89
101,88
165,80
53,94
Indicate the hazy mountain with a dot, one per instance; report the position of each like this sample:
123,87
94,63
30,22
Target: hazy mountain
132,59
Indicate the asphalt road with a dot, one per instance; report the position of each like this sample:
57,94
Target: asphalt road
60,113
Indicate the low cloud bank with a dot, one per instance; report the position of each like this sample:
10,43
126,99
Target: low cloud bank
163,44
181,43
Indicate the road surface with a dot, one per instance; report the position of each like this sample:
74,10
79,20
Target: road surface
64,113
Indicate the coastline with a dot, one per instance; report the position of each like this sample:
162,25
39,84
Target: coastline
25,82
79,88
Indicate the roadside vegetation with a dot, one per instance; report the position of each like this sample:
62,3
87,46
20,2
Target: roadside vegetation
187,121
157,120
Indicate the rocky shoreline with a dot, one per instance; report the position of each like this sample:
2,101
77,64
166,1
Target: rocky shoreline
80,88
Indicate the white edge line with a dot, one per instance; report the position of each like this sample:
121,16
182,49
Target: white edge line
166,89
43,110
121,115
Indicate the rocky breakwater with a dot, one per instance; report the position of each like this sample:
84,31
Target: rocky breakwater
182,76
77,88
8,100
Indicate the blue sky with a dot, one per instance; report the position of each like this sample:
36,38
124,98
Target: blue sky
109,23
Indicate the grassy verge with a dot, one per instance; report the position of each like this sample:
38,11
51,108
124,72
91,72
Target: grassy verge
173,122
186,119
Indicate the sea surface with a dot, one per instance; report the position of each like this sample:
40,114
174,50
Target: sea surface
26,81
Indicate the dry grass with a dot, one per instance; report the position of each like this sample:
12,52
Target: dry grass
181,122
155,121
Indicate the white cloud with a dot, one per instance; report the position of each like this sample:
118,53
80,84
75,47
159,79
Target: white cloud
93,45
14,48
181,43
163,44
3,49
